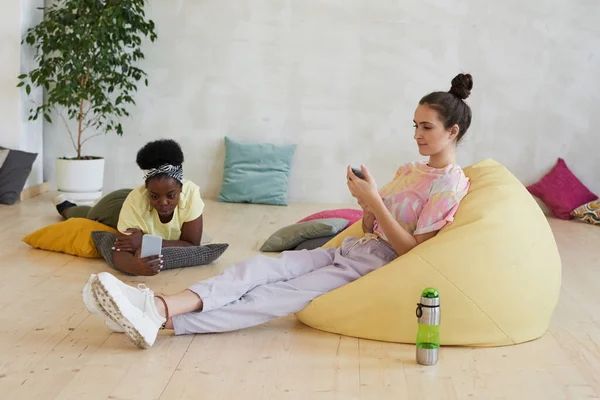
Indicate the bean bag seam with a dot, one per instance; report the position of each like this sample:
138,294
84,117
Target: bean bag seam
471,300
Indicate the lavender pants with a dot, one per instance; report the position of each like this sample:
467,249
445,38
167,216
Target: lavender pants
262,288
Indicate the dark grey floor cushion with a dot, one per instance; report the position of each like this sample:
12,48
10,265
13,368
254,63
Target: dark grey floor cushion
173,257
312,244
14,173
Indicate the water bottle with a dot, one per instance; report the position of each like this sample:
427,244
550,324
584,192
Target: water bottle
428,336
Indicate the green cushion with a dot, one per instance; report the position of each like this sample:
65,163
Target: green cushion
256,173
289,237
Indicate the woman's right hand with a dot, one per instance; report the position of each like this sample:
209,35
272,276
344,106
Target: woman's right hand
148,266
129,241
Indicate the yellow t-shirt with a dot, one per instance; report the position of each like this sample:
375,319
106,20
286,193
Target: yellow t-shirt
137,212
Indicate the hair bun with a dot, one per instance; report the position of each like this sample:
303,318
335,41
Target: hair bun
159,152
461,86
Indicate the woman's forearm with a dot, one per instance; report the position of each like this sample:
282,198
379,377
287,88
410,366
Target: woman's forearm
400,240
124,261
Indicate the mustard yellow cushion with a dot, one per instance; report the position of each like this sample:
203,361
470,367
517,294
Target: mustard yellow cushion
73,236
496,267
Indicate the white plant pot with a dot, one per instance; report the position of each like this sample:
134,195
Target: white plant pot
84,177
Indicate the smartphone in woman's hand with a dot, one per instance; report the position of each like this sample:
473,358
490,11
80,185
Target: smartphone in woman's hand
358,173
151,246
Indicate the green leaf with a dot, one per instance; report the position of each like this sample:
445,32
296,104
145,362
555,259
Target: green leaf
47,118
88,51
22,76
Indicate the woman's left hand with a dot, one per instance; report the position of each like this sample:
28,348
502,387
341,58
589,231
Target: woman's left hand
364,190
129,241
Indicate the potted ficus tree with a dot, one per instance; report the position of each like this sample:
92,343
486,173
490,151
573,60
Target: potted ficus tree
86,54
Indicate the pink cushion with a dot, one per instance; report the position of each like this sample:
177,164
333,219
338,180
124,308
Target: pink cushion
561,191
346,213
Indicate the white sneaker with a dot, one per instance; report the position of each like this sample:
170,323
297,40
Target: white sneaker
96,309
141,321
137,295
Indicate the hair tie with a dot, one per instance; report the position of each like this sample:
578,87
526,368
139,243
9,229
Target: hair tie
172,171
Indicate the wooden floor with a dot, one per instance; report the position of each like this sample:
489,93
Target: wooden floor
52,348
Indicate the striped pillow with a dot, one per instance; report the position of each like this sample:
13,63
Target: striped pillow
589,212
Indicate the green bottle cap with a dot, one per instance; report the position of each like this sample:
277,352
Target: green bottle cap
430,293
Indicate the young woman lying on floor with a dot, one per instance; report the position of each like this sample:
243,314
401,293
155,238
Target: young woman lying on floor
166,205
421,199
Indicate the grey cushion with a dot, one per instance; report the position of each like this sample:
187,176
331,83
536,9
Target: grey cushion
173,257
312,244
289,237
14,173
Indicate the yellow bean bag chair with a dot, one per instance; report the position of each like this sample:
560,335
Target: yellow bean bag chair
496,267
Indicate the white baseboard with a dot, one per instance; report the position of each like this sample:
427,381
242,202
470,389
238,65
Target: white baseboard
34,191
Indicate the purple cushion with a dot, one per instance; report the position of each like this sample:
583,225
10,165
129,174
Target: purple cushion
349,214
561,191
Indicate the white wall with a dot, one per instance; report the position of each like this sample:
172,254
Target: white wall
31,136
9,70
341,78
15,131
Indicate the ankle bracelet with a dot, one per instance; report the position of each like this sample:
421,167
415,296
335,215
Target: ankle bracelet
163,326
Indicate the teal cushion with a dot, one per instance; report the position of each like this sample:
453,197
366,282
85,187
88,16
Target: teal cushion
289,237
256,173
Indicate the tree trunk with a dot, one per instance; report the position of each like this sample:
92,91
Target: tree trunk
84,82
79,130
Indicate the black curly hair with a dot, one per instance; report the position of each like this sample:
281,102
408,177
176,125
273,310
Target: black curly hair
159,152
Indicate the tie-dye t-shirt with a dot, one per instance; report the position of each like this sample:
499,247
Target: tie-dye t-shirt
424,199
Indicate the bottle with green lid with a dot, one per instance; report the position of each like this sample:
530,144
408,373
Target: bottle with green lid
428,335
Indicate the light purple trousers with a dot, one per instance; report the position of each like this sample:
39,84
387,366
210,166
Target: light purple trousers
262,288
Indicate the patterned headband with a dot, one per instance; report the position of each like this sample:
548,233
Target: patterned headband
172,171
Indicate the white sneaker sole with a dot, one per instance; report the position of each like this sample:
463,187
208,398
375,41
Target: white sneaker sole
96,309
120,311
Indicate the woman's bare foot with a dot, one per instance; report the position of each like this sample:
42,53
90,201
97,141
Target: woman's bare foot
180,303
160,306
